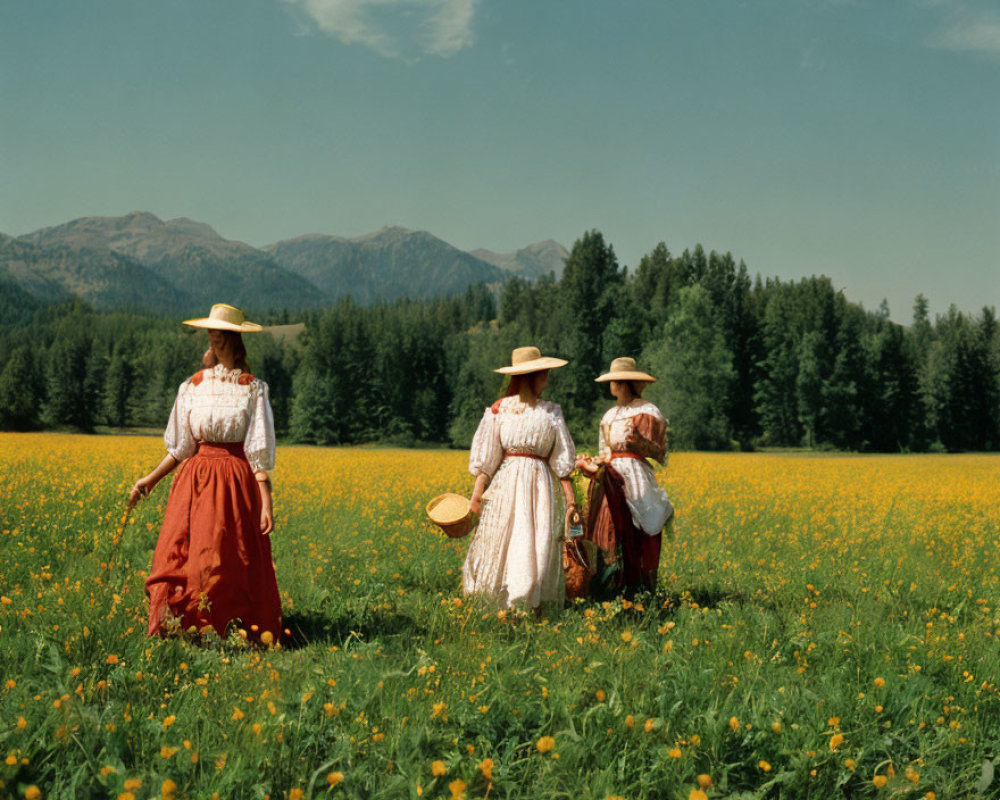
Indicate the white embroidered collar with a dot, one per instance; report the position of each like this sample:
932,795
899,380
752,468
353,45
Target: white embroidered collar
219,372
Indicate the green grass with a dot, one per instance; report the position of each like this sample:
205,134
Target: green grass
791,586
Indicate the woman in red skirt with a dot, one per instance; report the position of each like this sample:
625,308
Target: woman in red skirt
212,564
627,509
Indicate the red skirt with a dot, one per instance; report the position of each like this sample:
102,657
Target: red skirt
630,556
211,564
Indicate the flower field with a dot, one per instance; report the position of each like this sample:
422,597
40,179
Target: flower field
825,626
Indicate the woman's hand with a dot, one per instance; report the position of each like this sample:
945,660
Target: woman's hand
266,518
635,442
587,464
476,503
141,488
266,507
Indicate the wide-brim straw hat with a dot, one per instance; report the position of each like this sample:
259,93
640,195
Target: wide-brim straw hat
529,359
623,369
451,513
224,317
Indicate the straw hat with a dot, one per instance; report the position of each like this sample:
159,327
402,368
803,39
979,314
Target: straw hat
623,369
528,359
225,318
451,513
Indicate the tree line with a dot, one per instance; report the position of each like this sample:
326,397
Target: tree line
742,362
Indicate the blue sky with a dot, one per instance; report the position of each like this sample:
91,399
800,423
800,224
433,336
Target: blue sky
858,139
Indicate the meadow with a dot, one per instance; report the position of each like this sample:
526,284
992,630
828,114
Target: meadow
825,626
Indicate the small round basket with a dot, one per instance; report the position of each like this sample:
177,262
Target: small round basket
451,513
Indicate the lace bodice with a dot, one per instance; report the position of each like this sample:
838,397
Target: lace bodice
518,427
221,405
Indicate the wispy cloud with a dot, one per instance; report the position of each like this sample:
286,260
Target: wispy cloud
395,28
978,35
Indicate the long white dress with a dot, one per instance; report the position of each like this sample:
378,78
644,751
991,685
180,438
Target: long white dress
515,556
647,502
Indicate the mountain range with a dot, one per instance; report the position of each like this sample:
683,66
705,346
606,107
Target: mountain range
140,262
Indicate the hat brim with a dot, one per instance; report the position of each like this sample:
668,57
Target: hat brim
535,365
625,376
219,325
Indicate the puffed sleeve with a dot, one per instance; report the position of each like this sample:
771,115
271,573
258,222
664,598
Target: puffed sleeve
652,429
178,437
486,452
259,442
562,459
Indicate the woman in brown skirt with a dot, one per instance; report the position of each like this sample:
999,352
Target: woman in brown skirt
212,564
627,510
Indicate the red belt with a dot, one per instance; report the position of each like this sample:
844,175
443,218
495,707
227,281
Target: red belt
220,449
525,455
636,456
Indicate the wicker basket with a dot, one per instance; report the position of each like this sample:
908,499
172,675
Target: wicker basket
451,513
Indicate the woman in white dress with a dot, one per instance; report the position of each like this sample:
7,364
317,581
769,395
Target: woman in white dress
523,452
627,509
212,562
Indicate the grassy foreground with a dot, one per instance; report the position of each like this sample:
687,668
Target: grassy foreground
825,626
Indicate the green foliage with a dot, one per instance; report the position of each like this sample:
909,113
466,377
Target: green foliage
587,291
765,362
694,368
20,387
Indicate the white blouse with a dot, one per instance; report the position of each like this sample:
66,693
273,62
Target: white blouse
520,428
647,502
214,406
617,424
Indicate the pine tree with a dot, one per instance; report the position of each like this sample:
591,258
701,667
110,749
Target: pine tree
809,385
694,368
20,391
67,392
589,276
116,390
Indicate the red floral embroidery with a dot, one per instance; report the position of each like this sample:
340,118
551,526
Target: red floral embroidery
197,377
495,408
245,379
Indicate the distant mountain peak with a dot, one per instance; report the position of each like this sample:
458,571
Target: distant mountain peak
529,262
146,216
139,260
190,227
394,229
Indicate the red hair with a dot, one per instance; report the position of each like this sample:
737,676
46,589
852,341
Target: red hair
514,387
517,381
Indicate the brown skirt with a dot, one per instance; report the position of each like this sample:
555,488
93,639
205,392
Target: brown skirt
211,565
628,557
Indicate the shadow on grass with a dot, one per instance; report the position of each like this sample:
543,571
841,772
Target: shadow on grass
310,628
665,604
704,596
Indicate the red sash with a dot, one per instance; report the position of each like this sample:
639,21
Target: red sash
525,455
636,456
